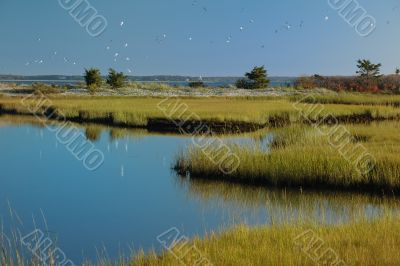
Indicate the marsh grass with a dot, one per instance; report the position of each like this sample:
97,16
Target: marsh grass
362,239
301,156
351,99
360,243
364,242
369,225
298,156
20,246
138,111
368,235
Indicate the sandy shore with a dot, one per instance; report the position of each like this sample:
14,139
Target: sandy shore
183,92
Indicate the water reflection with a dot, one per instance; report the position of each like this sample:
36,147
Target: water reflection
93,132
134,196
289,205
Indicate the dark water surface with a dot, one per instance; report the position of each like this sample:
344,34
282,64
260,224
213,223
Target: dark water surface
134,196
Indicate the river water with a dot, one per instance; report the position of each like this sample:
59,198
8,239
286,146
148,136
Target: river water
135,196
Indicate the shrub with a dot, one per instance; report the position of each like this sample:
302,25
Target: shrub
245,84
389,83
305,83
115,79
92,88
41,88
93,78
197,84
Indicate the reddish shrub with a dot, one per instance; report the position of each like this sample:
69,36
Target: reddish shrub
390,83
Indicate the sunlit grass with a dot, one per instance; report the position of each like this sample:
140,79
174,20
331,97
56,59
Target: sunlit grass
302,156
364,242
351,99
137,111
361,243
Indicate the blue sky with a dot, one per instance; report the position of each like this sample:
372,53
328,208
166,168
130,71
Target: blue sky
198,38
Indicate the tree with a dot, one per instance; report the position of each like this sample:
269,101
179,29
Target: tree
93,78
115,79
369,75
368,69
397,71
256,79
259,76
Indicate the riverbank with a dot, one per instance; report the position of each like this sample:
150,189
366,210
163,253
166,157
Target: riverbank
219,114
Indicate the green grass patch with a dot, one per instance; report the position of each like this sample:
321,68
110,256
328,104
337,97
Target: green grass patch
137,111
361,243
302,156
352,99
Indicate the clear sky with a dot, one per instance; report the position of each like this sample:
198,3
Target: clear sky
198,38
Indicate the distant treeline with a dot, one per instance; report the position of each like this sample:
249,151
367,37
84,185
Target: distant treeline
41,77
389,83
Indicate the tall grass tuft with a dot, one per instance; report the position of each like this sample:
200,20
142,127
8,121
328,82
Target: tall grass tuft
302,156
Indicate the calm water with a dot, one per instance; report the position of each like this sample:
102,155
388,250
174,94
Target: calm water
135,196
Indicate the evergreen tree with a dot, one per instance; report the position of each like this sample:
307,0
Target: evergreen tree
115,79
256,79
367,69
93,78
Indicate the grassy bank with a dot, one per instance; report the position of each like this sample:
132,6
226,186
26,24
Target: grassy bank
362,243
351,99
219,112
301,156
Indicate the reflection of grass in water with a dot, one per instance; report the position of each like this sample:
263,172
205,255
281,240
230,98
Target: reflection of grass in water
6,120
93,131
288,206
300,156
